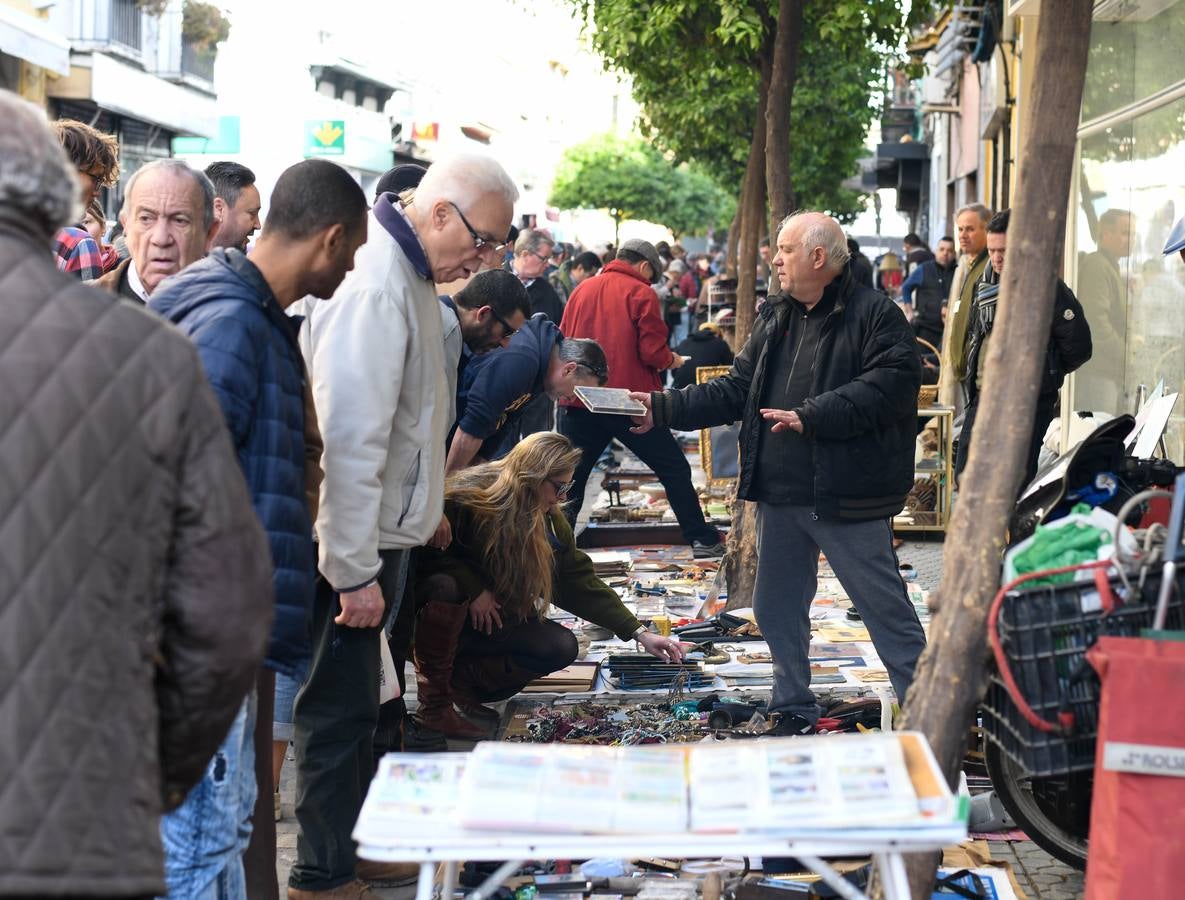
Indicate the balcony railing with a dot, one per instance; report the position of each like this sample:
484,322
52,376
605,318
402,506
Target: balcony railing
126,17
199,63
103,24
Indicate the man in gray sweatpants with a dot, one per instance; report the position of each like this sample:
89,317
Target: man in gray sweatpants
826,389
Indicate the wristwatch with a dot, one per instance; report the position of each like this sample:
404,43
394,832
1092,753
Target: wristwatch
641,630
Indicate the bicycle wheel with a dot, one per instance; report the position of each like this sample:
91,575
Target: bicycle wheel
1053,811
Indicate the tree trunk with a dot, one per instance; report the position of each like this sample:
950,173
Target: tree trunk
752,216
734,236
771,146
783,73
740,560
951,674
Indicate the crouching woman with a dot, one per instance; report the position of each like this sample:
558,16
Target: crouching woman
482,632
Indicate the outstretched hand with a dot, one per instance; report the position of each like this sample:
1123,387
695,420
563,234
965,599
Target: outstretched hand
783,419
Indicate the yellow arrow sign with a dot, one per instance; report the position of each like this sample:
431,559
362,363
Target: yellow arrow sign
328,133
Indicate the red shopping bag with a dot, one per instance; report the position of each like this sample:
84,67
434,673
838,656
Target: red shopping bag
1137,816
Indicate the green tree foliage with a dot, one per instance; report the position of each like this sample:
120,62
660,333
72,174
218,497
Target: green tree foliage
694,66
632,180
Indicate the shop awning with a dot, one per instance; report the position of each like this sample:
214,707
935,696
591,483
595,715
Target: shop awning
32,40
904,166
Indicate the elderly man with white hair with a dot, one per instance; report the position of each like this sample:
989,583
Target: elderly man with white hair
826,388
169,222
375,355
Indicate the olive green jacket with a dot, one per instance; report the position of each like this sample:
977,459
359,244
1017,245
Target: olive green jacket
578,590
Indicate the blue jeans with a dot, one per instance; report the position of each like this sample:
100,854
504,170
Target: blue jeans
206,836
286,689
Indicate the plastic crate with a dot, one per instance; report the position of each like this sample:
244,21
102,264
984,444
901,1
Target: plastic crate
1045,633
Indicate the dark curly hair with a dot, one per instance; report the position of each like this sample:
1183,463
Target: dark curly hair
89,148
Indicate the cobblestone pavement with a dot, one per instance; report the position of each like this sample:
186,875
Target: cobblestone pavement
1040,875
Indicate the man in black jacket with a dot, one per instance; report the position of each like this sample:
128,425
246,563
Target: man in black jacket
701,348
1068,348
832,369
499,386
927,289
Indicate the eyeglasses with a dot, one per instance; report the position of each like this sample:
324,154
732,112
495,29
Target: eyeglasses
602,375
480,244
507,330
542,257
561,487
97,179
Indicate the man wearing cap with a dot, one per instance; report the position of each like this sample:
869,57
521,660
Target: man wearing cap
397,179
620,311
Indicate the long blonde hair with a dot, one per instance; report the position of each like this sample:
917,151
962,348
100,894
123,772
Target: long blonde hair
510,526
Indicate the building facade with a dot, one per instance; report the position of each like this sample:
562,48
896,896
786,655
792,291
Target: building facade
131,68
32,52
1127,191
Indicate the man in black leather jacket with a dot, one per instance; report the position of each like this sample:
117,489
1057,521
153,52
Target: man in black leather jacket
1068,348
826,388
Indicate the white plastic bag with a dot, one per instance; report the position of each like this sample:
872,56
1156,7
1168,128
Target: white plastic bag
388,679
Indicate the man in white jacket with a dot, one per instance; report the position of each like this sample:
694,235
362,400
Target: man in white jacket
375,354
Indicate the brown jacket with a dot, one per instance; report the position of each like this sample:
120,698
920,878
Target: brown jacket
135,581
116,282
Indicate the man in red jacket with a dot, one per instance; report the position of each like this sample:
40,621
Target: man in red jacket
620,311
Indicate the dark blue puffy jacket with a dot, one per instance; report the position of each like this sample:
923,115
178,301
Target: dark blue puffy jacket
249,350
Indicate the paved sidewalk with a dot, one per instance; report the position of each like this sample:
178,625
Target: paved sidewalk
1040,875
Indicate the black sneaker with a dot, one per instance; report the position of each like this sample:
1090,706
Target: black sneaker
422,740
790,725
700,550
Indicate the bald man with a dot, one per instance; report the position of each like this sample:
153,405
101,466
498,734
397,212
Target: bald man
826,388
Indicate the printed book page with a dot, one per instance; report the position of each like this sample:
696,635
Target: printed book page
728,787
651,790
547,787
412,793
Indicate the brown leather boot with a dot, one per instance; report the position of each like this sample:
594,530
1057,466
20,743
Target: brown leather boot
487,679
438,628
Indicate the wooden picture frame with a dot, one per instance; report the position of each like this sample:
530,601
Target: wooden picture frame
711,463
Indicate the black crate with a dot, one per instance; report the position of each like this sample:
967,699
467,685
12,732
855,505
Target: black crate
1045,633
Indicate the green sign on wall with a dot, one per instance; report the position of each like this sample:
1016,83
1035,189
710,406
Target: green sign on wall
323,137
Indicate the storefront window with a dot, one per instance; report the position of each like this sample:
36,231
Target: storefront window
1130,194
1130,59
